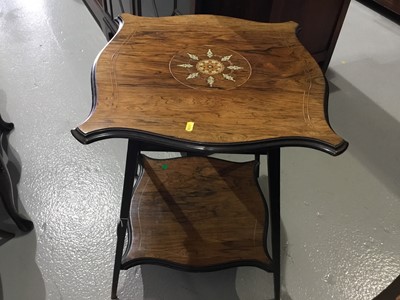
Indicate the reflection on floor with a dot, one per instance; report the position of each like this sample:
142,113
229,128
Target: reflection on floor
340,224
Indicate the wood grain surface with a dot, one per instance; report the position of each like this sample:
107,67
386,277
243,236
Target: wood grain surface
264,84
197,212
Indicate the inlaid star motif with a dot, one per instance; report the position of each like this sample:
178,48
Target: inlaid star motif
210,67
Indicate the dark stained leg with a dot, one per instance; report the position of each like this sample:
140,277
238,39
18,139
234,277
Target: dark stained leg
4,126
130,173
6,188
5,236
274,196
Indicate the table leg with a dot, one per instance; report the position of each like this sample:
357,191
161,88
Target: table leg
130,173
5,236
6,188
274,196
133,7
6,195
139,8
5,126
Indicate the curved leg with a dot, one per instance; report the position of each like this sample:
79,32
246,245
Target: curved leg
6,195
6,236
4,126
6,189
131,166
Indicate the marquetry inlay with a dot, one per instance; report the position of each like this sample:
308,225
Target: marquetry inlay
210,67
209,82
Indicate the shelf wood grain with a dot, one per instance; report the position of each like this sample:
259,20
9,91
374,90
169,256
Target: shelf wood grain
198,213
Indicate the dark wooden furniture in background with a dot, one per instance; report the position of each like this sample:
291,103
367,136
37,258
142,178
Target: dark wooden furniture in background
103,12
320,21
204,84
392,292
387,8
392,5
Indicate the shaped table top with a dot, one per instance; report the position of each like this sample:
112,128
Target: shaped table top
213,83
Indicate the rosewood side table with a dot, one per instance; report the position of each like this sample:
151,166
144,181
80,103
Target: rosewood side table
204,84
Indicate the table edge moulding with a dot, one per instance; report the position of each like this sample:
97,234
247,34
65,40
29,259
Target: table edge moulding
203,84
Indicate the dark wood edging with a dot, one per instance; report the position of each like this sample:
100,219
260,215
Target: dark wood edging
152,140
172,265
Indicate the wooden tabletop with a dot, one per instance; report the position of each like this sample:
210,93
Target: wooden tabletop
214,83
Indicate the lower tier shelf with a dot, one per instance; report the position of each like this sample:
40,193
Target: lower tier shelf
197,213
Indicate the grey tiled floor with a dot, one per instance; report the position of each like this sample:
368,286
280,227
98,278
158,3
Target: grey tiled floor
340,215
